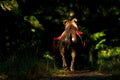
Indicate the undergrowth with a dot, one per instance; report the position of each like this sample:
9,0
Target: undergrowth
26,68
109,61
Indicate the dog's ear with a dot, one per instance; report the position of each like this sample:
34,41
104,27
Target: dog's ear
75,20
64,21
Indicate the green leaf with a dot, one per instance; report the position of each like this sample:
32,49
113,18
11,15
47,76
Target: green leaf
33,21
97,35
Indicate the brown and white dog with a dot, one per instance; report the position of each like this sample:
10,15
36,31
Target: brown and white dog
68,42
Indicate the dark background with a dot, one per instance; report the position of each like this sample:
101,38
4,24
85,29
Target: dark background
29,26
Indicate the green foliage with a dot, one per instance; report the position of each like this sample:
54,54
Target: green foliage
100,44
48,56
99,38
33,30
109,52
9,5
97,35
109,60
33,21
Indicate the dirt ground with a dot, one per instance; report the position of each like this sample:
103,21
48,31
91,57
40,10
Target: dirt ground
65,75
79,75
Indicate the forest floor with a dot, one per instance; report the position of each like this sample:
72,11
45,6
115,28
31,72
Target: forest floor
64,75
79,75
